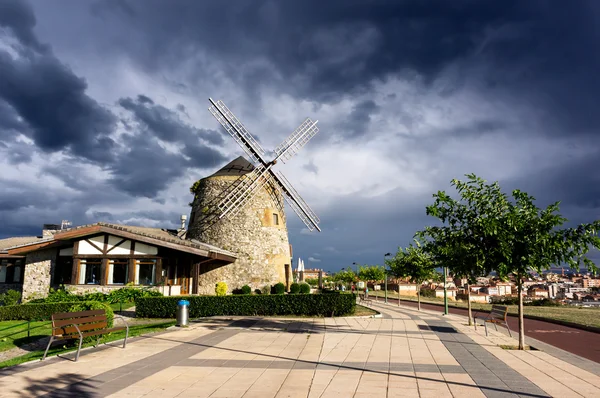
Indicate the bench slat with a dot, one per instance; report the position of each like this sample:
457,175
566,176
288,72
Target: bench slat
82,328
65,315
90,333
79,321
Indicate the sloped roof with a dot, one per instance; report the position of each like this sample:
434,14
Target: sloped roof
17,241
147,234
236,167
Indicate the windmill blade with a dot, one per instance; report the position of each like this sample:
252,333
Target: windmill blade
308,217
296,140
247,188
237,130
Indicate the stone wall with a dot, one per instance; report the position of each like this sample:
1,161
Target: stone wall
38,267
262,247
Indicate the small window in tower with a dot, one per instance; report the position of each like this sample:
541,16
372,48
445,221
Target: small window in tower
275,219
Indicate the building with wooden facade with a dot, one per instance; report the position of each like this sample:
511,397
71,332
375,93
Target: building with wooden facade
103,256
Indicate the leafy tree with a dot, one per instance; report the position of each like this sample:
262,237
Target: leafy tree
345,276
485,231
530,240
371,273
467,242
413,263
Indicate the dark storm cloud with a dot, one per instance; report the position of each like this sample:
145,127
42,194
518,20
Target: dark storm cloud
359,119
49,97
167,124
18,16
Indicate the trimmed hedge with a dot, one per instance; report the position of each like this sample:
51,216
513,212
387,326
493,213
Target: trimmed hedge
202,306
35,312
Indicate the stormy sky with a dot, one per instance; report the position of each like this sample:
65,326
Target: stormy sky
103,108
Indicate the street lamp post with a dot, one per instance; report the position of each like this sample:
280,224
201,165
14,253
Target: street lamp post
445,291
386,275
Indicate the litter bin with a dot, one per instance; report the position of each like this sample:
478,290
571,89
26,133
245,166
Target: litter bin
182,312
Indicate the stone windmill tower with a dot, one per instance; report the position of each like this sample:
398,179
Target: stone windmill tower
240,208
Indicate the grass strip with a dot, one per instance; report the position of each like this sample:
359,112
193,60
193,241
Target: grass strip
57,348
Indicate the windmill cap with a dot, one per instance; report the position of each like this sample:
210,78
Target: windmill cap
236,167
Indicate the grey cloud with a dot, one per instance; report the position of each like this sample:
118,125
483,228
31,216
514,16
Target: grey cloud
165,123
360,118
49,96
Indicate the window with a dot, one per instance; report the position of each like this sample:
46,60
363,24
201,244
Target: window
117,271
275,219
145,270
64,270
90,271
10,270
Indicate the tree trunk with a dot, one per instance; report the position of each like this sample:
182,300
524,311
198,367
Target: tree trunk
419,296
470,314
521,321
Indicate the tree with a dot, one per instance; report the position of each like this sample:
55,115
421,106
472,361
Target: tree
345,276
530,240
371,273
468,242
485,231
413,263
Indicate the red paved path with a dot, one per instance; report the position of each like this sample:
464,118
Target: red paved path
577,341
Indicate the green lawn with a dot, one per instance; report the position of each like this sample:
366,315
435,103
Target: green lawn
14,333
58,348
577,315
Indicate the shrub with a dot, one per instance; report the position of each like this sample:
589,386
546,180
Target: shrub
33,312
266,289
252,305
279,288
427,293
295,288
11,297
95,305
304,288
237,291
221,289
312,281
246,289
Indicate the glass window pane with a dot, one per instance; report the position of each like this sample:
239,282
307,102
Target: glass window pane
145,271
117,271
90,271
3,268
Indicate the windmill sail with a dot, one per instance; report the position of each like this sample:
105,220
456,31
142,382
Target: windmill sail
296,140
308,217
245,190
237,130
263,175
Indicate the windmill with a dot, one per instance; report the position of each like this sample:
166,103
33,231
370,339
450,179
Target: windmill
250,184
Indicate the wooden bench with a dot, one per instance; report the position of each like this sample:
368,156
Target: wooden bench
496,316
77,325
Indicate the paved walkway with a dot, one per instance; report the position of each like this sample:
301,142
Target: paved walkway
405,353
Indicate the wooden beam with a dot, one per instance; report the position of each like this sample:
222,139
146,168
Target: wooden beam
119,243
94,245
30,248
77,232
105,250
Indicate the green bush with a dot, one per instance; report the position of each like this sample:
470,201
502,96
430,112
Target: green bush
304,288
11,297
251,305
295,288
266,289
279,288
246,289
312,281
95,305
33,312
221,289
427,293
